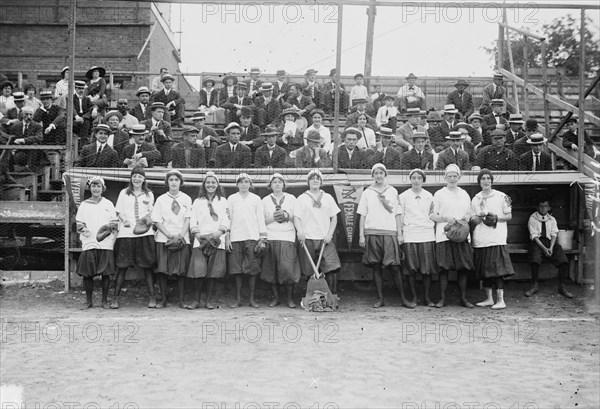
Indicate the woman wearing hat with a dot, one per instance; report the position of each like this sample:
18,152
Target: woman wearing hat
317,116
280,263
418,234
452,205
135,242
229,88
490,212
290,134
248,233
209,223
317,212
96,89
209,96
96,224
381,232
171,217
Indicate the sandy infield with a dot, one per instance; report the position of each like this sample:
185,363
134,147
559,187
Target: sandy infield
541,352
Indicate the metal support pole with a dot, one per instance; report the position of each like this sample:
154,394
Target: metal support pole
581,141
500,62
338,69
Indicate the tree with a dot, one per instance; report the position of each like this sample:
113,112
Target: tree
562,38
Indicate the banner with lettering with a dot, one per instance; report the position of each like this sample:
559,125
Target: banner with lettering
348,197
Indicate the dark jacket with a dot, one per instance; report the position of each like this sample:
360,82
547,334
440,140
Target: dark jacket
90,158
197,157
262,159
225,158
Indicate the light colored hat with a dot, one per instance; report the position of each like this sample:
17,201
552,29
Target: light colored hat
497,101
266,86
475,116
101,127
79,84
18,96
46,94
451,168
455,135
142,90
413,111
96,179
277,176
254,70
198,115
516,119
536,139
231,126
112,113
351,130
167,77
378,166
450,109
210,173
419,134
312,173
138,129
310,71
383,131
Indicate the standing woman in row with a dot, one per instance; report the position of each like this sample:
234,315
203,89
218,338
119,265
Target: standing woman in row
247,229
280,263
171,216
135,242
209,223
452,205
491,209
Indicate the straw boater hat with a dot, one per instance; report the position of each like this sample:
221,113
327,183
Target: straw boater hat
378,166
142,90
266,86
241,85
280,73
113,113
359,101
100,70
101,127
231,126
461,82
455,135
536,139
46,94
290,111
198,115
228,76
419,135
138,129
62,72
475,115
351,130
79,84
156,105
207,80
497,101
18,96
167,77
254,70
516,119
310,72
413,111
450,109
498,75
271,130
383,131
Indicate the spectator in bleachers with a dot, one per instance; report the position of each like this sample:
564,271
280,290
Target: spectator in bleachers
329,92
27,132
461,99
471,134
234,104
280,87
367,138
189,153
250,135
128,120
99,154
515,131
521,146
439,133
378,97
52,119
157,84
233,154
453,154
495,90
253,83
409,95
6,98
290,133
317,116
312,155
14,113
571,138
139,153
349,156
82,112
62,86
303,103
118,138
494,120
466,144
387,155
174,103
475,121
387,114
496,156
97,86
30,99
268,108
270,154
98,112
535,160
361,108
358,91
311,87
160,132
206,134
228,90
209,96
419,157
404,137
141,110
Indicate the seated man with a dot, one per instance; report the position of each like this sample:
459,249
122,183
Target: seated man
404,137
439,132
128,120
515,131
312,155
348,156
495,90
270,154
139,153
189,153
172,100
410,96
521,146
462,99
52,119
496,156
117,137
267,107
99,154
475,121
387,114
453,154
250,133
419,157
141,110
330,91
536,160
388,155
160,132
571,138
494,120
234,104
27,132
303,103
361,108
233,154
207,135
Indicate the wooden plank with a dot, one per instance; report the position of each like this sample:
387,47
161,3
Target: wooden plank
33,147
33,212
590,166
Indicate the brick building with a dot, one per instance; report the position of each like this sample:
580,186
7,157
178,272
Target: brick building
126,38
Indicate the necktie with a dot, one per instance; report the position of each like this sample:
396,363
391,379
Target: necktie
188,157
414,129
543,233
175,208
387,113
420,158
211,209
537,162
25,127
100,149
137,148
136,209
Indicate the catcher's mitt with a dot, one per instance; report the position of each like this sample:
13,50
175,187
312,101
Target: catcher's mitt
143,225
103,232
261,247
490,220
457,232
279,216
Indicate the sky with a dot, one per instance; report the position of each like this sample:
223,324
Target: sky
428,41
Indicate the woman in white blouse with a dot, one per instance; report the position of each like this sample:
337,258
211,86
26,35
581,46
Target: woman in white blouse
367,139
171,217
209,223
317,116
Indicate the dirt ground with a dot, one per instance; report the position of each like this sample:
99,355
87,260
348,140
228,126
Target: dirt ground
541,352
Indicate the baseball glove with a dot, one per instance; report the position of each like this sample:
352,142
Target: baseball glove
279,216
457,232
175,244
143,225
490,220
261,247
103,232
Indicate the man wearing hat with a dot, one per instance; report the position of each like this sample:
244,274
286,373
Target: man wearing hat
99,153
157,84
409,95
128,120
141,109
494,120
249,133
361,108
52,119
27,132
209,96
378,96
189,153
173,101
311,87
350,157
419,157
303,103
14,113
253,83
405,135
268,108
160,131
133,154
270,154
571,138
462,99
82,112
536,160
228,90
233,154
358,91
328,94
118,138
495,90
475,120
388,155
496,156
453,154
515,131
280,87
206,134
312,155
438,133
234,104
